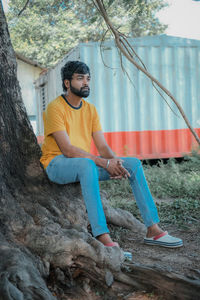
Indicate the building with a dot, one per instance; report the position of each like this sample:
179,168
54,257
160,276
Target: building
136,120
27,72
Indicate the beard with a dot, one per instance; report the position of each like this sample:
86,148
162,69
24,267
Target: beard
83,92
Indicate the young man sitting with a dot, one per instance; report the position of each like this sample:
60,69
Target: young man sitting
70,124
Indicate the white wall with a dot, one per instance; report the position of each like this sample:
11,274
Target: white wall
27,74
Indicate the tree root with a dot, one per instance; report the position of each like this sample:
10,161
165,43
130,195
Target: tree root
49,233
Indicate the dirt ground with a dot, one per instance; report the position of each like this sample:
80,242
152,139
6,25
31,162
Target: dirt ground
184,260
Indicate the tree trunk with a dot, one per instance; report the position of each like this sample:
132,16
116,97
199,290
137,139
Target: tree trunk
46,250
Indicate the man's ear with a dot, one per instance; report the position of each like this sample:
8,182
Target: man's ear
67,83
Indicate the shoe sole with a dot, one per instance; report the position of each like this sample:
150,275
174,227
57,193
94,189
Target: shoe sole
162,244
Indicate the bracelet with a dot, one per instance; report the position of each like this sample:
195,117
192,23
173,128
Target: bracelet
107,165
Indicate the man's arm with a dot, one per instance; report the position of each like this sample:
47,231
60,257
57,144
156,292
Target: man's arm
102,146
63,142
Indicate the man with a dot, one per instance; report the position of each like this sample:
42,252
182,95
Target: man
70,123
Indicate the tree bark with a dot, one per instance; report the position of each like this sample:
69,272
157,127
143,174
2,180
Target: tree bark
18,142
46,250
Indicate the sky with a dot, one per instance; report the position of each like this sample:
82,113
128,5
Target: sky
182,18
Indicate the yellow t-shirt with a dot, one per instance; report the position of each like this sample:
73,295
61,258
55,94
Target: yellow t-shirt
79,124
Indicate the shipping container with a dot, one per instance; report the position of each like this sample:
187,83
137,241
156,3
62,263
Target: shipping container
136,120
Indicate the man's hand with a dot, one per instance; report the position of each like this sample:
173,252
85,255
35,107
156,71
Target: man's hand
116,169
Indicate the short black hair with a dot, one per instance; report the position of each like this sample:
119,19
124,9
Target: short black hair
72,67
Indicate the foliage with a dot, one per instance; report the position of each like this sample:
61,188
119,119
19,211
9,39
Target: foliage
175,180
44,33
180,181
180,211
48,29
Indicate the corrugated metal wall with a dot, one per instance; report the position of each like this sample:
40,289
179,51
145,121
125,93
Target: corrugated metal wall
135,119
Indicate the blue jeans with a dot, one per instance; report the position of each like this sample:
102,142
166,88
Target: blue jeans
63,170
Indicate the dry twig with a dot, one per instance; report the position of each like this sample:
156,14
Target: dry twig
125,48
25,6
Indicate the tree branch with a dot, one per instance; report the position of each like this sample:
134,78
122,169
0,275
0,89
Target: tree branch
119,40
21,11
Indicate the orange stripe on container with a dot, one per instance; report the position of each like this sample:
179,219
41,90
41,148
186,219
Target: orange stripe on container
151,144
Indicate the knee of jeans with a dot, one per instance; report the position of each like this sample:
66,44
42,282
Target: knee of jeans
138,162
87,164
133,164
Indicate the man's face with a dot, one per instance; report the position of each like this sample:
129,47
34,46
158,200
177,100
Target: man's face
79,85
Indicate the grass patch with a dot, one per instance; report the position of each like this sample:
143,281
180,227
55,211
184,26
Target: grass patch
118,233
180,211
175,180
